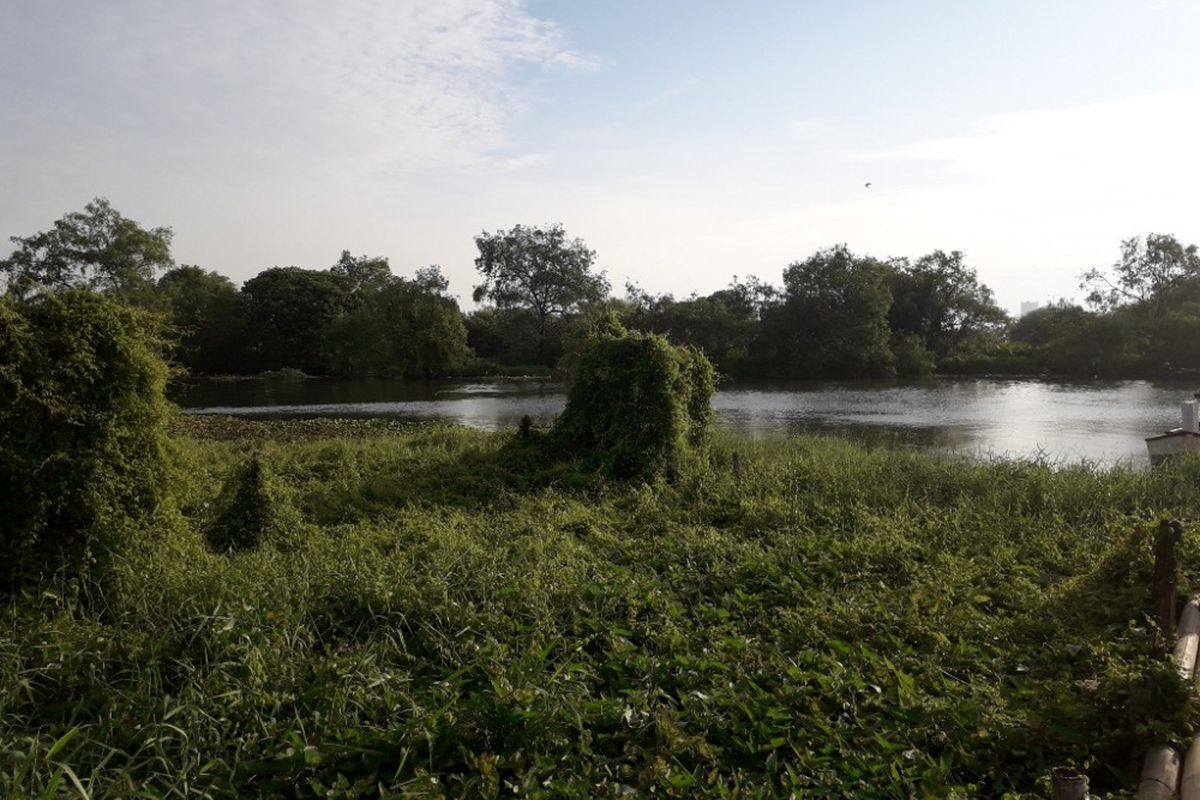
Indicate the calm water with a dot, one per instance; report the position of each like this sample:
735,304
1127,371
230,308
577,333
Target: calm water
1021,417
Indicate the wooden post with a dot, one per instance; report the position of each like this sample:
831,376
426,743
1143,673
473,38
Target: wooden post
1166,566
1067,784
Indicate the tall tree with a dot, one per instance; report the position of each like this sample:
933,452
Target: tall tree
290,310
362,274
940,299
96,248
206,311
833,319
1152,274
539,269
408,327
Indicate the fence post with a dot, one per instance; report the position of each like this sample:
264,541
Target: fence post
1166,563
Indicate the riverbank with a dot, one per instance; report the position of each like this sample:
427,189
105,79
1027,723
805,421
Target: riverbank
448,617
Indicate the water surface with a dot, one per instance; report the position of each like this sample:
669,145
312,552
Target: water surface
1104,422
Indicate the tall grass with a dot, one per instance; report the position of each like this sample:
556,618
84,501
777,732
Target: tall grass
457,619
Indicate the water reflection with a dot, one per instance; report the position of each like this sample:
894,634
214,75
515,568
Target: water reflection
1063,421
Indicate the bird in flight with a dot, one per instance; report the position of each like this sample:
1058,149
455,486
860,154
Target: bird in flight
867,184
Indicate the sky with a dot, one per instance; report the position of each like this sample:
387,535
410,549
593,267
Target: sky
686,141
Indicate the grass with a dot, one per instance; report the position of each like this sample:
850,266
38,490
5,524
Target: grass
456,617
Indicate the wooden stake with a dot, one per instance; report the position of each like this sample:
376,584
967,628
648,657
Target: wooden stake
1166,566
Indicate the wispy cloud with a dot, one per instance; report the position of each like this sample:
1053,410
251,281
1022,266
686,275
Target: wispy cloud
389,84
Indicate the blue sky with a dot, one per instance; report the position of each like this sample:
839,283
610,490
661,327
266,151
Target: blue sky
685,141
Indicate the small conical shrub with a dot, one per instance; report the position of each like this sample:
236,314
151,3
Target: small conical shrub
253,511
639,407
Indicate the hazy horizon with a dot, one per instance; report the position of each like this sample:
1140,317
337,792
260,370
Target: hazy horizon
685,142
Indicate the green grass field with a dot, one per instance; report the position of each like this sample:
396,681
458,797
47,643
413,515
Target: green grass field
441,613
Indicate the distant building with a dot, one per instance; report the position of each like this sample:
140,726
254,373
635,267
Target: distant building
1028,306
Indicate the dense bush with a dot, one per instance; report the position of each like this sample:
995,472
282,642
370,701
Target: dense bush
82,448
638,407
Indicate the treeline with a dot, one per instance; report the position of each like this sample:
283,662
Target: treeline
836,314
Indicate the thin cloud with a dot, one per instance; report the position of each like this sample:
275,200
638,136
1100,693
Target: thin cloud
384,85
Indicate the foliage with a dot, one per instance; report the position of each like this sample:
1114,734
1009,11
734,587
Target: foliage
253,510
940,299
827,620
539,269
833,320
96,248
290,310
402,327
638,407
1151,274
206,311
725,325
82,457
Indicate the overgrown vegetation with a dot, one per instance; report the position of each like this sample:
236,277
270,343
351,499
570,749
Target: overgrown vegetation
803,616
638,406
82,444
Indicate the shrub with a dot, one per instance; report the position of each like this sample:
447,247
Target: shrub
253,510
639,406
82,443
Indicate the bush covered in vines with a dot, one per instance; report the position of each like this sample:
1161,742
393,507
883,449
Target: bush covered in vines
82,442
639,406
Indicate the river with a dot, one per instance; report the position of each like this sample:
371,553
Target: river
1065,422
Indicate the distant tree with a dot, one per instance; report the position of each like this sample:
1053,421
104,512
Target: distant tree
290,310
205,309
407,327
940,299
539,269
833,319
724,324
96,248
362,274
1152,274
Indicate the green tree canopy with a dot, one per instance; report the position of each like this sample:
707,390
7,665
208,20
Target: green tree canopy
940,299
362,274
407,327
833,319
1152,274
96,248
539,269
290,309
206,311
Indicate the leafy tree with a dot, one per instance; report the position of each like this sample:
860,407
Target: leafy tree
940,299
724,324
290,309
362,274
96,248
206,310
1152,274
538,269
833,319
407,327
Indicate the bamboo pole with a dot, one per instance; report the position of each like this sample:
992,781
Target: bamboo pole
1160,774
1189,782
1188,642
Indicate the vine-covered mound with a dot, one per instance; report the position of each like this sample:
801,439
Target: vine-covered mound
638,407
